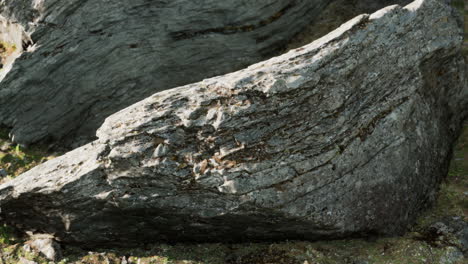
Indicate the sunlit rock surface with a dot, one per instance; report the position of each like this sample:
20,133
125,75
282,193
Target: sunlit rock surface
348,135
90,59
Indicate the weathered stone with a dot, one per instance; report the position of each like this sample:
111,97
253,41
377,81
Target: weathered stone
26,261
6,146
44,245
93,58
450,231
337,13
348,135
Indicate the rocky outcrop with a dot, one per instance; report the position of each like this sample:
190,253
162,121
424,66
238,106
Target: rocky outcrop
93,58
348,135
90,59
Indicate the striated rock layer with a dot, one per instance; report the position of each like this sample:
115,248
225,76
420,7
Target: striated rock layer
90,59
348,135
93,58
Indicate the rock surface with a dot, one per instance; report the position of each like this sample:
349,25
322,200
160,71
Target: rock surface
26,261
3,173
337,13
349,135
452,230
93,58
98,57
45,245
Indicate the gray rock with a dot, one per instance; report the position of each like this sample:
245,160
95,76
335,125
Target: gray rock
6,146
26,261
452,256
349,135
450,231
337,13
93,58
47,246
3,173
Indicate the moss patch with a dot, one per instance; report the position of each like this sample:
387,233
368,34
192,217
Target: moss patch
6,50
452,200
15,159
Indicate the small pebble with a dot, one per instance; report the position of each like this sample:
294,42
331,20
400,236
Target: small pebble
47,246
5,146
26,261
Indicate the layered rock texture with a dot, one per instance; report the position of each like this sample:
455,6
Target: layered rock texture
337,13
90,59
93,58
348,135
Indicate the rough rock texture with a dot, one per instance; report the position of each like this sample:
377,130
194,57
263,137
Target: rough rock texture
93,58
26,261
97,57
45,245
337,13
348,135
452,229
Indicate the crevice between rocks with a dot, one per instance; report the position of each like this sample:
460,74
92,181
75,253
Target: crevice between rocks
13,42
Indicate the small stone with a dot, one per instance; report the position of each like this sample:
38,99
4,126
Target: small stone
453,230
47,246
26,261
27,248
3,173
360,261
161,151
6,146
452,256
441,228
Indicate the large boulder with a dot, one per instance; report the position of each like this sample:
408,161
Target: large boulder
93,58
349,135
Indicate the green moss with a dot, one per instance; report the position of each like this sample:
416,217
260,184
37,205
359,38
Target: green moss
459,4
16,160
4,134
399,250
6,50
6,235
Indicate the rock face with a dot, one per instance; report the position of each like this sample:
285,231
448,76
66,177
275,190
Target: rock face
348,135
93,58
